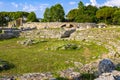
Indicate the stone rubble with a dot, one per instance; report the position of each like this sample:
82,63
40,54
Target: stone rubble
31,76
114,75
70,74
26,42
106,65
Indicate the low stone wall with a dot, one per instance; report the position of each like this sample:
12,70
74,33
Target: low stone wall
8,33
42,33
39,25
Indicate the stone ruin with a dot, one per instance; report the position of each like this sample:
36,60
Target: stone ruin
8,33
65,25
16,23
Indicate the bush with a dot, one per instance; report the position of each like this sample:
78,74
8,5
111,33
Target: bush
117,67
87,76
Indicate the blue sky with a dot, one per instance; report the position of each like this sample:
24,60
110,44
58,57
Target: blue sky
38,6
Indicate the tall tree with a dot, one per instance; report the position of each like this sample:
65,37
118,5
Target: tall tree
32,17
86,13
59,12
116,17
91,12
81,5
105,14
55,13
72,14
47,16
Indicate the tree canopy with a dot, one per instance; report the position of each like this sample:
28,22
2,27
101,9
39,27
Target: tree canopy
5,17
83,13
105,14
89,13
54,13
32,17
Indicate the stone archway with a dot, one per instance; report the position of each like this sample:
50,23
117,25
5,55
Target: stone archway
67,25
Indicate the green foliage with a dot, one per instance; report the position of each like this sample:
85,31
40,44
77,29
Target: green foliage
109,15
55,13
72,14
87,76
116,17
83,13
32,17
81,5
83,18
117,68
105,14
5,17
47,15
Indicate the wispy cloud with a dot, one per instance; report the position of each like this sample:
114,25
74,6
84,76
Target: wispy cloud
72,3
31,7
42,6
112,3
93,2
14,4
106,3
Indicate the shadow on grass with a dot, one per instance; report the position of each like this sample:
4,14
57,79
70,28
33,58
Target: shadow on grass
60,78
117,67
5,65
87,76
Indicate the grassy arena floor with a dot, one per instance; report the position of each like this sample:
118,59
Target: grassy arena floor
42,57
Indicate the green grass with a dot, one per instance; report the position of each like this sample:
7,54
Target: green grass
41,57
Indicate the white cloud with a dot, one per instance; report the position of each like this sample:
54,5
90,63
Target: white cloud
30,7
14,4
93,2
72,2
42,6
87,4
112,3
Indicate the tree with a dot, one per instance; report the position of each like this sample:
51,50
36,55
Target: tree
81,5
105,14
83,18
32,17
55,13
72,14
91,12
116,17
59,12
47,16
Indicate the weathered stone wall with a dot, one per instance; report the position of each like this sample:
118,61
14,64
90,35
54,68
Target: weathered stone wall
8,33
39,25
43,33
15,23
